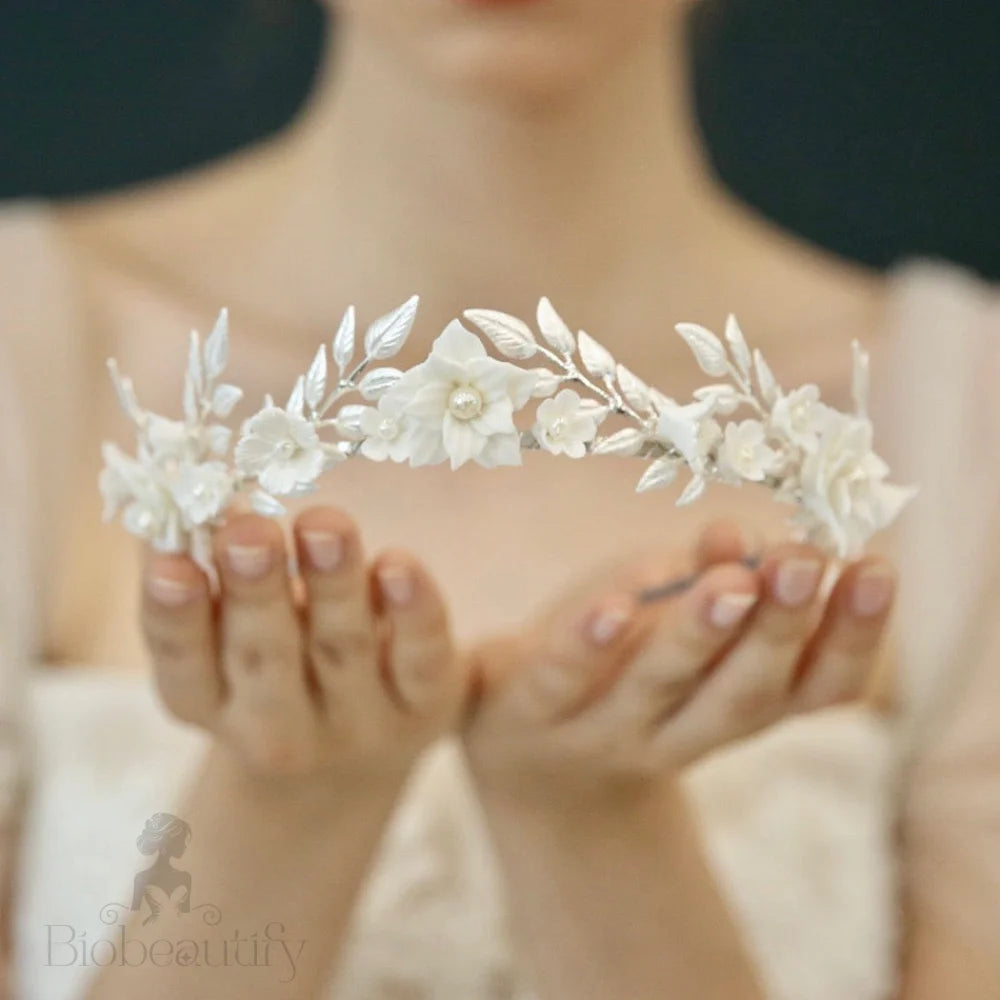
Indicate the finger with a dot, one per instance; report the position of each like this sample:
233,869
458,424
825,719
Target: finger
575,656
751,685
178,629
692,632
840,658
722,540
342,643
260,637
420,664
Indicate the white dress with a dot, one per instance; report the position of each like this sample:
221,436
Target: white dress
801,823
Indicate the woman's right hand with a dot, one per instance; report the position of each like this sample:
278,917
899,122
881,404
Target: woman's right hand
351,670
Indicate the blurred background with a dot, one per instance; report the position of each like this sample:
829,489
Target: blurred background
871,128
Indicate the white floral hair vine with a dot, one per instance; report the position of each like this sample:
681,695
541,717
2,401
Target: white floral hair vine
459,405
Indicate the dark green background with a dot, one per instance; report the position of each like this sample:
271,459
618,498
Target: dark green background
871,128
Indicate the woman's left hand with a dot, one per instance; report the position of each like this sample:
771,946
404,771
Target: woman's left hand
609,684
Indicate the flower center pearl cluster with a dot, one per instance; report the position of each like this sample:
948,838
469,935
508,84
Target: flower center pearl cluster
465,402
557,429
388,429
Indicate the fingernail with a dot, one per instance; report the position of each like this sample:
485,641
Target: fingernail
728,609
603,626
172,593
249,561
326,551
396,584
797,581
872,592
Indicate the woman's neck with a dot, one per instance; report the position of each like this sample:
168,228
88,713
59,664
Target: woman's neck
477,183
389,184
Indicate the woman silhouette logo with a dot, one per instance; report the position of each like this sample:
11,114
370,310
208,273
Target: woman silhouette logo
162,887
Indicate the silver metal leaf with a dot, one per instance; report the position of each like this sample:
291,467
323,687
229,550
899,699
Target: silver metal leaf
297,397
724,397
661,473
596,359
347,422
554,331
343,341
594,408
770,391
546,382
859,379
316,378
738,345
265,504
125,392
333,453
388,333
216,352
692,491
224,398
509,335
218,437
194,364
378,381
706,346
624,442
190,399
635,391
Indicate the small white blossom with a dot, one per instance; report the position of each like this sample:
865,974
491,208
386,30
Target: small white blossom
562,428
170,438
745,453
462,402
680,426
202,491
800,417
384,428
281,450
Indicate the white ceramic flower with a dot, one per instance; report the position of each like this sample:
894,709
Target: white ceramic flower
281,450
680,426
461,403
843,497
168,439
745,453
562,427
800,417
386,432
202,491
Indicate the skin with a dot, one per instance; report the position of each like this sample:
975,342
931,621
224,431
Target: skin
321,696
557,135
577,729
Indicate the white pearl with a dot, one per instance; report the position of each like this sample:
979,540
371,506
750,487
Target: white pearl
387,429
465,403
557,428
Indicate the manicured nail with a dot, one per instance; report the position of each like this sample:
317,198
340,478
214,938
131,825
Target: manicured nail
728,609
872,591
326,551
396,584
797,581
249,561
603,626
172,593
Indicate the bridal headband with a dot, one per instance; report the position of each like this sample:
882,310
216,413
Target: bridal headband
459,406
